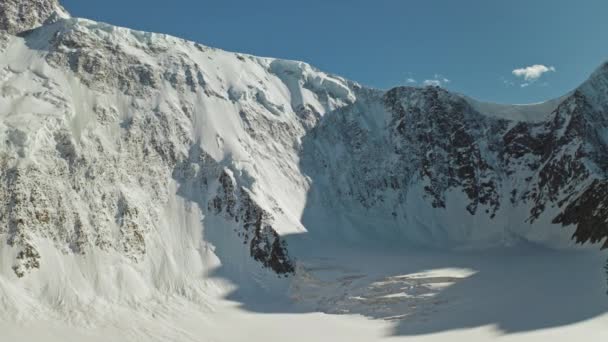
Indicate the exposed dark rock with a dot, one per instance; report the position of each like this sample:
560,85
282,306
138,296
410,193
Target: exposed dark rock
17,16
439,134
265,244
27,260
589,212
439,140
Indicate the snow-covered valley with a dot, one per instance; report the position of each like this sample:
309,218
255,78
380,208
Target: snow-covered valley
522,294
155,189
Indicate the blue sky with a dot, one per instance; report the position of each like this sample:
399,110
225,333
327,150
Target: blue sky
475,44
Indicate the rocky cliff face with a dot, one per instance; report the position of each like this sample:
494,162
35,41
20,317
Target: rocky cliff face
18,16
534,175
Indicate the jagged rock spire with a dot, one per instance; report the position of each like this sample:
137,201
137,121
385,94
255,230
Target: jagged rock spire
17,16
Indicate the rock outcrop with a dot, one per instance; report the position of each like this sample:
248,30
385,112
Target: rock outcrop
17,16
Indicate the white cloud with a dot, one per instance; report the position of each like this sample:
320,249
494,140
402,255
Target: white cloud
437,81
524,85
410,80
434,83
441,78
533,72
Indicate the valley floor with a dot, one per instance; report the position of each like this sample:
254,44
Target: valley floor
517,294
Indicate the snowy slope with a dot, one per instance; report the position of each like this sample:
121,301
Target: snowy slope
142,175
147,159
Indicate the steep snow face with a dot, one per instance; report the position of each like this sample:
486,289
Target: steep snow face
137,163
17,16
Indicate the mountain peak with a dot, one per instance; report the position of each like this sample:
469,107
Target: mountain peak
17,16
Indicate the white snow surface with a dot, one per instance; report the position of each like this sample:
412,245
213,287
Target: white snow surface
102,134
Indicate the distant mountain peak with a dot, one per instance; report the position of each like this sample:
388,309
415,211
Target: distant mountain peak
17,16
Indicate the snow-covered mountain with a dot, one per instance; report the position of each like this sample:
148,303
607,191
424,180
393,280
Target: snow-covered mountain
442,169
134,164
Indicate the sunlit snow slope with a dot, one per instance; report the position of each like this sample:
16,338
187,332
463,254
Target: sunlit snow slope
136,162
